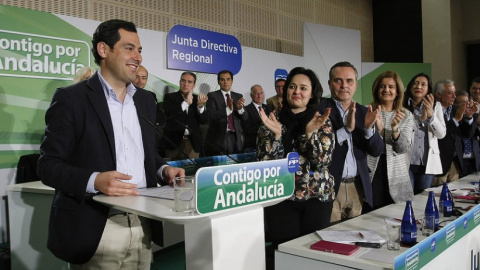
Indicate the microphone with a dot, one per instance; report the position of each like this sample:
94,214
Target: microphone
169,141
206,142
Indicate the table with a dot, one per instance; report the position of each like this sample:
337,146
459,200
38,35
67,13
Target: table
230,239
462,250
29,211
229,236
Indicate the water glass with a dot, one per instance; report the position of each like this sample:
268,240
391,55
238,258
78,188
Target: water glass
393,241
184,193
428,225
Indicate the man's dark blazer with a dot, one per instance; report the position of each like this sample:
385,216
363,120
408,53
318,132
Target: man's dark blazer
361,146
452,142
79,141
467,131
178,119
217,128
446,145
251,123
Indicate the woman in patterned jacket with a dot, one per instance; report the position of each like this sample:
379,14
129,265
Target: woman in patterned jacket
299,127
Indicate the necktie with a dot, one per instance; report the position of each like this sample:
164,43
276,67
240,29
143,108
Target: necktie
467,143
259,107
231,126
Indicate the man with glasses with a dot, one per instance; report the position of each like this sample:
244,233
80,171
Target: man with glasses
275,103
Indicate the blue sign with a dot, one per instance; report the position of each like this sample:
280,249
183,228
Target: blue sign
200,50
293,162
281,74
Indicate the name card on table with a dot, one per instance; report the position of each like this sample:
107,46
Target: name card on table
231,186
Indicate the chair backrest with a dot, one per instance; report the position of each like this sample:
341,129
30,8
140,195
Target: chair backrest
27,169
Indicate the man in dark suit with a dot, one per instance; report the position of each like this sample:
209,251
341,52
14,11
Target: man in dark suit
275,103
467,145
444,92
185,112
98,140
355,136
225,111
252,121
458,120
141,78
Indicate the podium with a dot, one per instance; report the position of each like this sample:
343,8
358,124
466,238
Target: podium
222,233
227,239
231,239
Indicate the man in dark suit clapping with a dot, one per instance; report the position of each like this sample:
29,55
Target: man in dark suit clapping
185,112
225,111
355,136
252,121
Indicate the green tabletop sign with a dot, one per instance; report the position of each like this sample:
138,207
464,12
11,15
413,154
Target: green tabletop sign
230,186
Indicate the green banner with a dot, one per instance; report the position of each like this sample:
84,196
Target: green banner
231,186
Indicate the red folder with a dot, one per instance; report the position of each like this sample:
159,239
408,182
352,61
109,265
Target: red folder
338,248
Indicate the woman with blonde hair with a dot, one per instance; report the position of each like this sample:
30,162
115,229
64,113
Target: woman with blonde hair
83,73
389,171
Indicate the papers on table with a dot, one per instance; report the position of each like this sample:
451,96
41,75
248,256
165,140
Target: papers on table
455,192
351,236
165,192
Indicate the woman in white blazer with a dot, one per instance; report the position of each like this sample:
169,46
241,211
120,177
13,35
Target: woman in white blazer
429,126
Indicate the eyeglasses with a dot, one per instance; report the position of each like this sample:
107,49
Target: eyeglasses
417,83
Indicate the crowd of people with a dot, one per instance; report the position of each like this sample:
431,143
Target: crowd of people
353,158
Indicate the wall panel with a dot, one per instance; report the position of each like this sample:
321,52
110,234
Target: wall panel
275,25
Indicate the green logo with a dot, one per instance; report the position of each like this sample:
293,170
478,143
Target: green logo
231,186
29,55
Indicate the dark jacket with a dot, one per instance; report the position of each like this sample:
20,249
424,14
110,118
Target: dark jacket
251,123
178,120
79,141
217,116
361,146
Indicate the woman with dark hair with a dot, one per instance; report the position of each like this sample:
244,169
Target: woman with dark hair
299,128
389,171
429,126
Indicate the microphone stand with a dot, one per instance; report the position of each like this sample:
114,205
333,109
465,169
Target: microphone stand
169,141
206,142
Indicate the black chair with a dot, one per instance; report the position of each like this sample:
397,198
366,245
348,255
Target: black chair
27,169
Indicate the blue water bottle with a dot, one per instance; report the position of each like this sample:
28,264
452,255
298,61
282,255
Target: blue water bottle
437,214
446,202
432,210
408,228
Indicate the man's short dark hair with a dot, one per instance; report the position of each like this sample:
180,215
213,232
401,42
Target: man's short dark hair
108,32
191,74
342,64
279,80
475,80
223,72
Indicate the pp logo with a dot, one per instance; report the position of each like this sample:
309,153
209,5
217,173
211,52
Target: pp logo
293,162
433,245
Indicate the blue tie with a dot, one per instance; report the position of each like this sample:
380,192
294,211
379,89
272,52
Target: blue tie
467,145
